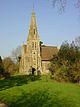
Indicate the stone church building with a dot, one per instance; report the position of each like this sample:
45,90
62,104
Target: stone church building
34,54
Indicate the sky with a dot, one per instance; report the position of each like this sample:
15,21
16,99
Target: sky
53,28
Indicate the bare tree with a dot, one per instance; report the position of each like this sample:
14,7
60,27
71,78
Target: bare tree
77,41
61,4
16,54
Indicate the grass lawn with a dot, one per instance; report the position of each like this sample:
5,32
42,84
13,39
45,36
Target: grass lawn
27,91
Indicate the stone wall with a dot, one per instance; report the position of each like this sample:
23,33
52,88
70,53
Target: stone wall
45,67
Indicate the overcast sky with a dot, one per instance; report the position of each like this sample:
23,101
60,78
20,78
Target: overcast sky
15,16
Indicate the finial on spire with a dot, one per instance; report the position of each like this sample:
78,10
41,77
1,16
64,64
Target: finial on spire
33,5
33,13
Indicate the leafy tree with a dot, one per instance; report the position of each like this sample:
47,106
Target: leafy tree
66,64
1,67
10,66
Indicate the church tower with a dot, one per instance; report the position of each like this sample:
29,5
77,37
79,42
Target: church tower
31,51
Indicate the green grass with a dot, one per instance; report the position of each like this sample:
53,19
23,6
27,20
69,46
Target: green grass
27,91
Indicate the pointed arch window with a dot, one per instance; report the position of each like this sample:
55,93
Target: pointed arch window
35,45
32,45
34,32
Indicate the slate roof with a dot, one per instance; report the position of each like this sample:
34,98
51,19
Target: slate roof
47,52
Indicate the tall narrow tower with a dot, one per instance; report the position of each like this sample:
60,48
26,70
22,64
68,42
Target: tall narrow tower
31,51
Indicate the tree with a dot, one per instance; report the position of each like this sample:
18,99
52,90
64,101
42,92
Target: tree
2,70
61,4
77,41
66,64
1,67
10,66
16,53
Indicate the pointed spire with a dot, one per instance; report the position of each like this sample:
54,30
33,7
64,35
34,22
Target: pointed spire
33,19
33,33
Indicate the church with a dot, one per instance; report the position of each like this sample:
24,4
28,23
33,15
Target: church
34,54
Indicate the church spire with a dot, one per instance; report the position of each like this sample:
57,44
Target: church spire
33,19
33,33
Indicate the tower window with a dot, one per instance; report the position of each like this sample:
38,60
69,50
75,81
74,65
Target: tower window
35,45
32,45
34,31
34,58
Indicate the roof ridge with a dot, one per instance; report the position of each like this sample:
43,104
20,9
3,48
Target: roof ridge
48,46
